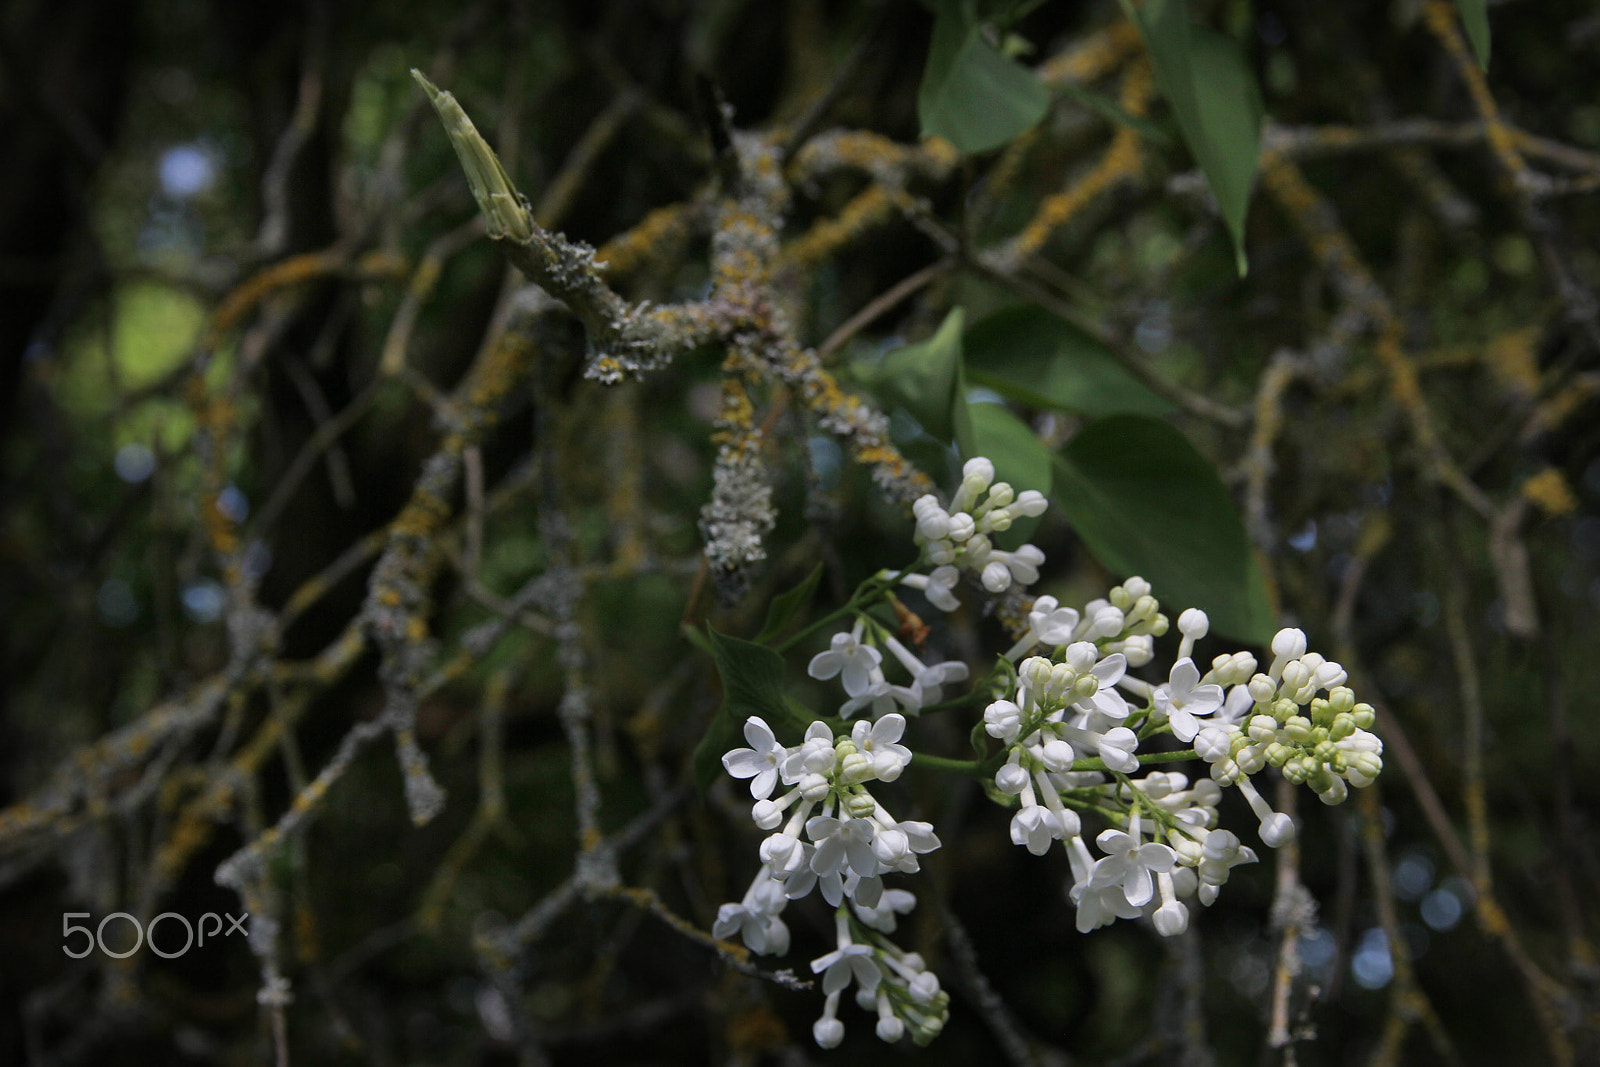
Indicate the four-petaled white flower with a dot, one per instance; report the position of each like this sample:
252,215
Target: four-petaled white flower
1050,622
893,902
1035,827
849,660
879,742
760,762
842,845
1183,700
1131,863
845,963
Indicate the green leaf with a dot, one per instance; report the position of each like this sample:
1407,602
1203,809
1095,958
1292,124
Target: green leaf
973,94
1475,17
1213,93
1026,354
1018,456
1145,502
923,378
789,604
752,684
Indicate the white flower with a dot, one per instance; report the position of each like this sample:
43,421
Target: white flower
926,679
1100,907
1023,563
1139,649
879,742
1130,863
755,919
881,698
1051,623
1182,699
1035,827
844,963
763,934
842,844
760,762
882,918
849,659
1107,672
919,839
938,587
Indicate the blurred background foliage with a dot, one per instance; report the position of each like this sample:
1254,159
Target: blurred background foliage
241,277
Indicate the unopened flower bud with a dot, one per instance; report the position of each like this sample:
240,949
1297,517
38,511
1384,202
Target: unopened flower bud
1080,657
1277,830
1030,502
1035,672
1289,644
856,768
1171,919
1194,623
1057,755
1263,690
1011,778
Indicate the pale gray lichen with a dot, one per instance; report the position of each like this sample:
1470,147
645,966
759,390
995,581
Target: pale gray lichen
738,517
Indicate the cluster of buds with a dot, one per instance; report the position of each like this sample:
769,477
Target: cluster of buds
1324,742
957,540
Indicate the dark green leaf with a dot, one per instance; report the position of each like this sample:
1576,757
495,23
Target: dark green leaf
789,604
752,684
1024,353
1213,94
1145,502
1475,17
923,378
973,94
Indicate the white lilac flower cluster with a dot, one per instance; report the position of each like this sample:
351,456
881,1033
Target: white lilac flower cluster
830,833
1071,721
956,539
1072,740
